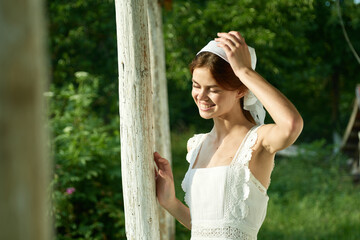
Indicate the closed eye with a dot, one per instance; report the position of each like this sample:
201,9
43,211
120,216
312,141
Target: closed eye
215,90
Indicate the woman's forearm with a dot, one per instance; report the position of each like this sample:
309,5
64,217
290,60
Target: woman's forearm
282,111
181,212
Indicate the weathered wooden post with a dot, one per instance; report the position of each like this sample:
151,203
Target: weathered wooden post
136,120
24,164
160,100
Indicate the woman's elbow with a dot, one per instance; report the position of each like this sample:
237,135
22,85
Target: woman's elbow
295,127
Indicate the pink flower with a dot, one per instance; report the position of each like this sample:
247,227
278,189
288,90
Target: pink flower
70,190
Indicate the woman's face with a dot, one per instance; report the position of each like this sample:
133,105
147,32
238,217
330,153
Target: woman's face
212,100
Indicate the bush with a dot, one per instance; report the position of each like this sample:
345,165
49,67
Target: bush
87,192
312,197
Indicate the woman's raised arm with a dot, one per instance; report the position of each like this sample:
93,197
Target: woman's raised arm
288,122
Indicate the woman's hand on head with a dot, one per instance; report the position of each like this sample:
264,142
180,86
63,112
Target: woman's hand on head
236,50
165,190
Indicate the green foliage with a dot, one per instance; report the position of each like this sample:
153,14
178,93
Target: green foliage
267,25
83,38
300,47
312,197
87,193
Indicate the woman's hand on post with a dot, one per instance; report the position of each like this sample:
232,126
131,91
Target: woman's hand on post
236,50
165,190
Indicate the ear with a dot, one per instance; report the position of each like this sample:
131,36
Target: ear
241,92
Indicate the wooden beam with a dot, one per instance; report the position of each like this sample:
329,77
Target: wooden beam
136,120
24,161
160,106
351,124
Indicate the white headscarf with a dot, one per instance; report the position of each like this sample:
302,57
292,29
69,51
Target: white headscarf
251,103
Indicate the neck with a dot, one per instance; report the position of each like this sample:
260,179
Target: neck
231,123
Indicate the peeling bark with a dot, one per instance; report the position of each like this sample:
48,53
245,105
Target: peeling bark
136,120
160,100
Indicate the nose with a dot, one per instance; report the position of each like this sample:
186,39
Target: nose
202,95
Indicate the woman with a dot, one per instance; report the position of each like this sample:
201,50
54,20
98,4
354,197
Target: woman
229,167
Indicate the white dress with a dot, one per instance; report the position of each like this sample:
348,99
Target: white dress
226,202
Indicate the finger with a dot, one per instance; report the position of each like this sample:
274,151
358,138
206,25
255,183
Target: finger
166,175
226,42
238,36
166,167
232,40
162,174
156,165
163,161
163,164
227,37
156,172
225,47
156,158
157,155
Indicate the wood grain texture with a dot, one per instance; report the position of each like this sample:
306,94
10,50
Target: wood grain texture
160,104
136,120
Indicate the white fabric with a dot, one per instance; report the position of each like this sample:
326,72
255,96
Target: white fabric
255,107
212,47
225,202
251,103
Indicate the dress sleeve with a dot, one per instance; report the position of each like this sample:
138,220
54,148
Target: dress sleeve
191,144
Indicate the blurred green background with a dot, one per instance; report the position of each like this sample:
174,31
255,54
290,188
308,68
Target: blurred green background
301,50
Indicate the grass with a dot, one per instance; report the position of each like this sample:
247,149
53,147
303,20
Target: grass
311,195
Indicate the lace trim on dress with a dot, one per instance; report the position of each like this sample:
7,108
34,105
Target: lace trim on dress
184,188
193,146
220,232
238,189
258,184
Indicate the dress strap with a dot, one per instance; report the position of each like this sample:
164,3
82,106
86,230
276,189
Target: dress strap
238,189
192,142
192,145
243,156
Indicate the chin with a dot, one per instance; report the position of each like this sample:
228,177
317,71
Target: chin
205,115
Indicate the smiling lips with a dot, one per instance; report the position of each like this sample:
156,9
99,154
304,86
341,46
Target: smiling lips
205,107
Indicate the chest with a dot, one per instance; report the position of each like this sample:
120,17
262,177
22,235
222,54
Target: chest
211,155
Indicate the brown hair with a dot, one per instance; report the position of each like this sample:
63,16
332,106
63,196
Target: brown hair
222,73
